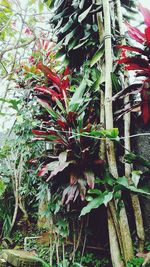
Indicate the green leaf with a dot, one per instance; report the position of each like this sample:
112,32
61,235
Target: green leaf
41,6
48,108
83,15
139,190
111,133
108,179
95,191
78,94
136,159
50,137
67,25
59,104
13,102
123,181
89,198
94,204
115,83
79,45
72,44
97,56
69,36
75,264
108,198
2,187
135,176
5,3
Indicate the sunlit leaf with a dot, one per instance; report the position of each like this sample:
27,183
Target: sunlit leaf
83,15
135,176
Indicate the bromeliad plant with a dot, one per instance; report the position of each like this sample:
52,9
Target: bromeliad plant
140,63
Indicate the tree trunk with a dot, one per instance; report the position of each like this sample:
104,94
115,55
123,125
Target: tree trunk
114,247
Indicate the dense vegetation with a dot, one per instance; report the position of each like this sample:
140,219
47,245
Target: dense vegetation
67,167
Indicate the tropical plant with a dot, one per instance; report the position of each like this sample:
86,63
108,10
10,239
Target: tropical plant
140,64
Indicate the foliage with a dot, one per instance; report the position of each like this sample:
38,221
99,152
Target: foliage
58,129
136,262
140,64
75,29
113,188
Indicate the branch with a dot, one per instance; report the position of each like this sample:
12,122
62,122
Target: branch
16,47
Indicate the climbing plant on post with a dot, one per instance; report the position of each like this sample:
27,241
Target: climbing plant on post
123,221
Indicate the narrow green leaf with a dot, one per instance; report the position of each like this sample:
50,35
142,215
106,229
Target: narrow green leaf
59,104
69,36
79,45
97,56
78,93
83,15
67,25
95,191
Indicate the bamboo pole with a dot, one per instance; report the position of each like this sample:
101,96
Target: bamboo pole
116,247
127,145
110,149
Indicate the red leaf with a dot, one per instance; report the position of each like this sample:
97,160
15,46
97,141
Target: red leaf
42,89
65,84
59,168
55,95
145,106
62,123
146,14
32,161
43,68
71,116
99,162
66,71
49,74
135,33
134,63
147,34
43,171
131,48
54,77
143,73
37,132
134,67
140,62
